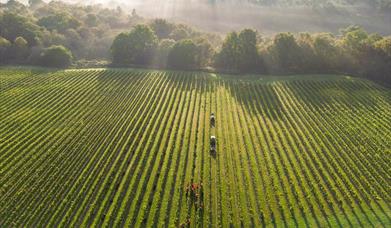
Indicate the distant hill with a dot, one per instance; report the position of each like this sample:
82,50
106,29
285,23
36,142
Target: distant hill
316,3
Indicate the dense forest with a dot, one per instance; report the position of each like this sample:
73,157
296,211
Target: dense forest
267,16
59,34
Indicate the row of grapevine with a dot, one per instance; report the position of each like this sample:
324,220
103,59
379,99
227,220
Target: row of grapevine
120,147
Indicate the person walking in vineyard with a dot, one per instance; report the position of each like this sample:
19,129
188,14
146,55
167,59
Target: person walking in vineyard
212,120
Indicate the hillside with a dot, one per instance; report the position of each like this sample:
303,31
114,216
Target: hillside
373,3
266,16
120,147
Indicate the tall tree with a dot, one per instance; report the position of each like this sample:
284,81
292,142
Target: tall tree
162,52
326,52
136,47
205,52
183,55
287,53
248,53
228,57
162,28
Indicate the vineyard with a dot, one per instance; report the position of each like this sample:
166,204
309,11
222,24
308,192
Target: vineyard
131,148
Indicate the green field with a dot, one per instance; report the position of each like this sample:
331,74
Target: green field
118,148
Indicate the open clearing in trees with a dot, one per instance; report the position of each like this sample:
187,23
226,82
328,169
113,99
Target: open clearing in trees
123,147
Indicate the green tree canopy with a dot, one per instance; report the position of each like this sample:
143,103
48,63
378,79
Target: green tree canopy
162,28
4,43
12,26
162,52
384,45
59,22
239,52
136,47
179,34
91,20
56,56
205,52
4,46
248,53
20,42
287,52
228,56
19,51
183,55
354,38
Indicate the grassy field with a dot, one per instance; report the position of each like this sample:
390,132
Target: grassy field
119,147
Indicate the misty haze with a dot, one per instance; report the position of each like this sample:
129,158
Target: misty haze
265,16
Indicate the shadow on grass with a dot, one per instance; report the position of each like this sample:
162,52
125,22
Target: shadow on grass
262,96
353,95
257,98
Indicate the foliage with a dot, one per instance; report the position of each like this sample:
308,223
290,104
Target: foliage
163,50
356,53
4,42
18,52
228,56
162,28
56,56
183,55
136,47
179,33
13,26
20,42
205,52
88,31
60,22
384,45
239,52
248,53
286,52
4,45
326,52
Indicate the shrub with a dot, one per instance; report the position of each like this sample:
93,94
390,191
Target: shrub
56,56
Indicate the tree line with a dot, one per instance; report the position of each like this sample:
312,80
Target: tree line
353,52
57,34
